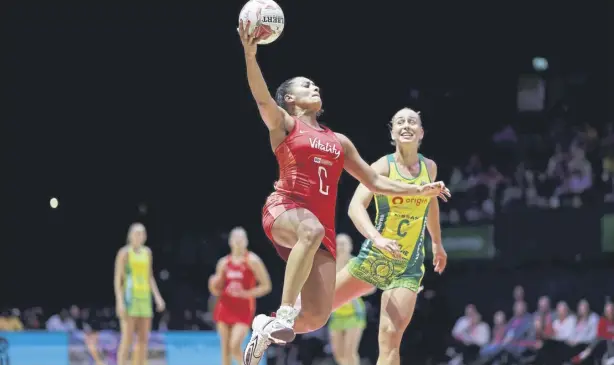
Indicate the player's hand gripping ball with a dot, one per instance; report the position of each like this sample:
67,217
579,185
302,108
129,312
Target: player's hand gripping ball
265,18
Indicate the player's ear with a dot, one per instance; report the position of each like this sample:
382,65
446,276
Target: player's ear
289,98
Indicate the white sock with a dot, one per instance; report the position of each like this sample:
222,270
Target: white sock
286,313
298,305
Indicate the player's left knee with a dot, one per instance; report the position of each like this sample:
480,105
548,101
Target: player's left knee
390,338
339,356
235,350
316,320
354,357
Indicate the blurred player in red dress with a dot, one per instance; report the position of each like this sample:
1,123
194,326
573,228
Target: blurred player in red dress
239,279
299,217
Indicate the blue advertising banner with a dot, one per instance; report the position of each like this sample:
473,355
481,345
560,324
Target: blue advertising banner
106,343
33,348
57,348
196,348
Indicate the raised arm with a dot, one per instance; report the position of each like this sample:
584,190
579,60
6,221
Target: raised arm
264,285
357,167
273,116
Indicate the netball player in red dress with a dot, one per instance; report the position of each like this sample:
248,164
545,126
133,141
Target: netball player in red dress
239,279
299,217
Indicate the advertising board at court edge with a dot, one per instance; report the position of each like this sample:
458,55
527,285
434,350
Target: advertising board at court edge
467,242
61,348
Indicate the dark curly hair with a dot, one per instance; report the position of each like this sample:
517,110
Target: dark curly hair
282,91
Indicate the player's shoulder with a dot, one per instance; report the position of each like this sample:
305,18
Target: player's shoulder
123,250
253,258
430,165
382,165
223,260
343,139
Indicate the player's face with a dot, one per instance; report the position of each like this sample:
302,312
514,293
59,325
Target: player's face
238,239
138,236
406,127
305,94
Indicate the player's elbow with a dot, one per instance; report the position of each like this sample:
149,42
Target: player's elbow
267,289
353,209
373,183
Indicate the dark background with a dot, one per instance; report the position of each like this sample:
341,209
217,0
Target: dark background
110,107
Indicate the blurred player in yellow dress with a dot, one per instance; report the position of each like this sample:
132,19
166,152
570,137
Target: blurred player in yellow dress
347,323
134,285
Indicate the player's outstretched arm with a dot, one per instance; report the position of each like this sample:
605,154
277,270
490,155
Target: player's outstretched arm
357,167
273,116
357,210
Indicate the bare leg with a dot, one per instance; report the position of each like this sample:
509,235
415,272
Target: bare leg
223,331
317,294
142,341
348,287
302,232
396,311
309,272
351,344
238,332
337,342
127,332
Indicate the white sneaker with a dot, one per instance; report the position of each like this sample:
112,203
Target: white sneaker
265,331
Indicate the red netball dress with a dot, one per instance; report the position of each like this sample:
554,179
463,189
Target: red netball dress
232,310
310,164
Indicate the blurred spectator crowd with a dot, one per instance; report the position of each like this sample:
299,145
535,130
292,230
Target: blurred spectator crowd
568,166
547,336
103,319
